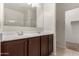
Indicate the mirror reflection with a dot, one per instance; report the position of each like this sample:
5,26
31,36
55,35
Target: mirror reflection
21,14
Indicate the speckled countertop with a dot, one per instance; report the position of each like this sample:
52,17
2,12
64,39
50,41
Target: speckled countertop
17,37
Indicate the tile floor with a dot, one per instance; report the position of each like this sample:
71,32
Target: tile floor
73,46
66,52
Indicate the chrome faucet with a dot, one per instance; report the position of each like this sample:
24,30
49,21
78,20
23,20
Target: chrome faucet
20,33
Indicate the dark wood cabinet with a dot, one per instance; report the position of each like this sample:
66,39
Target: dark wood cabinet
12,48
0,48
50,44
3,50
44,45
34,46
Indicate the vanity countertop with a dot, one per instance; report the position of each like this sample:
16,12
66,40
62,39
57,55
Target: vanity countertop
17,37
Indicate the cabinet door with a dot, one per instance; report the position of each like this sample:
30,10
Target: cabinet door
13,48
34,46
50,43
44,45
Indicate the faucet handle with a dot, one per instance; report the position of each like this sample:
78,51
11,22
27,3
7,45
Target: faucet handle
20,33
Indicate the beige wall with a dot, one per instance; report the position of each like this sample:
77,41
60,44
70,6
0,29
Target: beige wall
50,22
60,21
49,17
60,25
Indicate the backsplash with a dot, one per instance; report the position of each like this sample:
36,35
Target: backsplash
10,30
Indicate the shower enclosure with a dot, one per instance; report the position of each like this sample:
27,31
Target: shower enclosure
72,29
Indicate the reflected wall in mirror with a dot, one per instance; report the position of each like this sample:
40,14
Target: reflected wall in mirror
21,14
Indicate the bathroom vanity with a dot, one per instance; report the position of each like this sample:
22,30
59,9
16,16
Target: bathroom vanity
41,45
28,30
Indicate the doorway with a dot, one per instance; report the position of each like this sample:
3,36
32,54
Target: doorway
72,29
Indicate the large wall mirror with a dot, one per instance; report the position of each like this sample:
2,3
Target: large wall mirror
23,15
